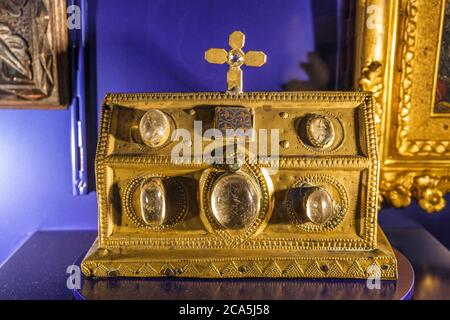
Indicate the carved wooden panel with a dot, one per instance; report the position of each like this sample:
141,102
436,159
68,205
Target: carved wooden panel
33,54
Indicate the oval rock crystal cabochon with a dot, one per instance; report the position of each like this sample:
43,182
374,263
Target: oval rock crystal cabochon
317,205
157,202
320,133
154,128
235,201
153,202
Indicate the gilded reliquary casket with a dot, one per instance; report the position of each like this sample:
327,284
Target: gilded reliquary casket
173,201
230,185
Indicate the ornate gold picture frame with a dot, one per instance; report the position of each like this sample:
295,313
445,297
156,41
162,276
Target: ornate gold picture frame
33,54
398,50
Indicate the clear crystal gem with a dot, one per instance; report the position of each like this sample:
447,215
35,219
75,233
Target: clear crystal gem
235,200
154,128
318,205
320,131
153,202
236,58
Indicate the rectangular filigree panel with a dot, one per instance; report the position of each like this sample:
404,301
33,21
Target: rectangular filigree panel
33,54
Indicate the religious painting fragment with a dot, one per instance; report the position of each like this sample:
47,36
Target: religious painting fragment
33,54
442,102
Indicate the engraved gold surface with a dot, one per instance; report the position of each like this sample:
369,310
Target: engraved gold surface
397,57
271,244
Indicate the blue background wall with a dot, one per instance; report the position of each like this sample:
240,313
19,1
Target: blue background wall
141,45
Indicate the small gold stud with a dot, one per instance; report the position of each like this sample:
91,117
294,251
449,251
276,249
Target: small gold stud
284,144
284,115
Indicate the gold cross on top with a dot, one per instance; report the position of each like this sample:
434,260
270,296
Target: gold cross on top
235,59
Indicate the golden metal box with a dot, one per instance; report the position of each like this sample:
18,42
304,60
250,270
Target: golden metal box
307,208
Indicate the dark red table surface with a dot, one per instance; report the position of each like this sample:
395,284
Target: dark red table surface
38,269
